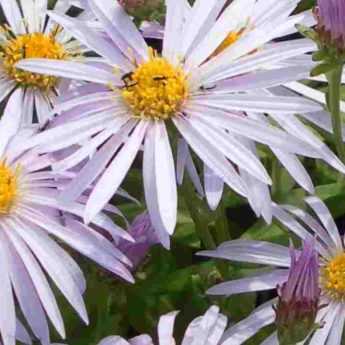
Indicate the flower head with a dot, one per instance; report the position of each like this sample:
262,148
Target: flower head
299,293
208,94
31,218
29,33
299,297
206,329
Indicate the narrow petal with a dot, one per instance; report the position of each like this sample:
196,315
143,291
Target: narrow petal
13,16
11,119
245,329
165,178
7,310
166,328
115,173
263,282
67,69
257,252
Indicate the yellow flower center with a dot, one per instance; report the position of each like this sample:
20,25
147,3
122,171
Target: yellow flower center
156,89
8,188
333,277
229,40
34,45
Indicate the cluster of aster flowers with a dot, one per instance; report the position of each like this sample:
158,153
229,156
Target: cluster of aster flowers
85,97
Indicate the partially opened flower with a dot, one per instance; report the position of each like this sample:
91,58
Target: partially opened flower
30,219
29,33
330,248
331,26
299,297
206,329
136,92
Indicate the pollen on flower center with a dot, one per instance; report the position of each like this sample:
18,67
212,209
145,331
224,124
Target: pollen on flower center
34,45
8,188
156,89
333,277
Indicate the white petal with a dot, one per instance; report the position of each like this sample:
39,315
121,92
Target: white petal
112,11
89,173
150,187
166,328
13,16
262,282
210,155
165,177
326,218
11,120
233,19
201,18
93,40
7,310
41,284
214,187
320,335
115,173
296,169
67,69
245,329
251,251
174,23
45,250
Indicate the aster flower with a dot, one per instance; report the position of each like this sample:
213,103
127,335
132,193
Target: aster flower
144,235
299,297
29,33
206,329
136,92
330,248
30,219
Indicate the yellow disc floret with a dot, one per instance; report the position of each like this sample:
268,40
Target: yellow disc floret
34,45
8,188
156,89
333,277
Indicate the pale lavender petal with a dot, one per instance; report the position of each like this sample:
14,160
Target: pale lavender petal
115,173
245,329
262,282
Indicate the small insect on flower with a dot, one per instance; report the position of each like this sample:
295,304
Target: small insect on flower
205,90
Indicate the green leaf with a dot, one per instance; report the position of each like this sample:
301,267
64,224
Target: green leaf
323,69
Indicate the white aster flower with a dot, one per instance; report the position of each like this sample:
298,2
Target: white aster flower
205,329
29,33
136,92
30,219
330,247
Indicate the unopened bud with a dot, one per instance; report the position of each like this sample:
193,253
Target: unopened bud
330,16
299,297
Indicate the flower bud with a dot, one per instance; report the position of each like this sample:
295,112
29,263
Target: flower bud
330,16
144,235
299,297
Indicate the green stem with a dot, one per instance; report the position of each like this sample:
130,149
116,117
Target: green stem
276,179
198,215
222,225
333,101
